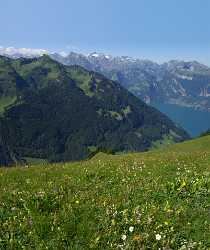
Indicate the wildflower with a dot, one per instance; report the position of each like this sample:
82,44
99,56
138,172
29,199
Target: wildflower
158,237
30,222
149,220
131,229
137,238
41,194
113,222
120,246
27,181
124,237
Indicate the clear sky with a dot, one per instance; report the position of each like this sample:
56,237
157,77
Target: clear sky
155,29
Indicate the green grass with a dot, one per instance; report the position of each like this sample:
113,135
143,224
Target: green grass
116,115
163,194
35,161
84,80
167,140
6,102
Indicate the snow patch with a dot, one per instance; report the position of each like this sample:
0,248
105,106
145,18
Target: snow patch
94,55
185,77
63,53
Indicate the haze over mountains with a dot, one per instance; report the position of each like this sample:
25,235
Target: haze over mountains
180,89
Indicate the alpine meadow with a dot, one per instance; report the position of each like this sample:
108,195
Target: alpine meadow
158,199
105,125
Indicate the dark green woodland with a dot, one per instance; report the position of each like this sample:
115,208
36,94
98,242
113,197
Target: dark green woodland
66,113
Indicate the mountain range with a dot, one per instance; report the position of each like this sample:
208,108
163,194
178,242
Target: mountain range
175,82
180,89
64,113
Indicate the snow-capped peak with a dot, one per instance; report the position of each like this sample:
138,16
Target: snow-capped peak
94,54
99,55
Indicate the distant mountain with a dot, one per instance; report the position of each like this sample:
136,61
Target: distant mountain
185,84
63,113
175,82
170,87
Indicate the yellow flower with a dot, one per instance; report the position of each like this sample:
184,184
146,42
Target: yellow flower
137,238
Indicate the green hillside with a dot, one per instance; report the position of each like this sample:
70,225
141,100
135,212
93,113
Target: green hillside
66,113
154,200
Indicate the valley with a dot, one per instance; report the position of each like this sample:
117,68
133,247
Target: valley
67,113
180,84
105,125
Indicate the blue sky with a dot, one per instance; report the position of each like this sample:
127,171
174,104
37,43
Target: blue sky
155,29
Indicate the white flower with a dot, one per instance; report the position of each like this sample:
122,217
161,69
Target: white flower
131,229
124,237
158,236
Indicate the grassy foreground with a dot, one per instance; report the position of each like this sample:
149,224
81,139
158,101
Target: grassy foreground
154,200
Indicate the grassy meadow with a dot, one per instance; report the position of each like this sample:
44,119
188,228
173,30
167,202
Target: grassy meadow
154,200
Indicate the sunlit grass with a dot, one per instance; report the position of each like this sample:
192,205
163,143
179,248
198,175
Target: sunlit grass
159,199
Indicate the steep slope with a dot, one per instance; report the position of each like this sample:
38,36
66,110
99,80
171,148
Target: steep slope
8,154
10,86
68,113
175,82
184,84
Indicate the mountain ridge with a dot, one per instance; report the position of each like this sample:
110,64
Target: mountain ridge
149,75
185,85
64,113
180,84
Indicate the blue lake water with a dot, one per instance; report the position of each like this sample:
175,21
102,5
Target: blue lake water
193,121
